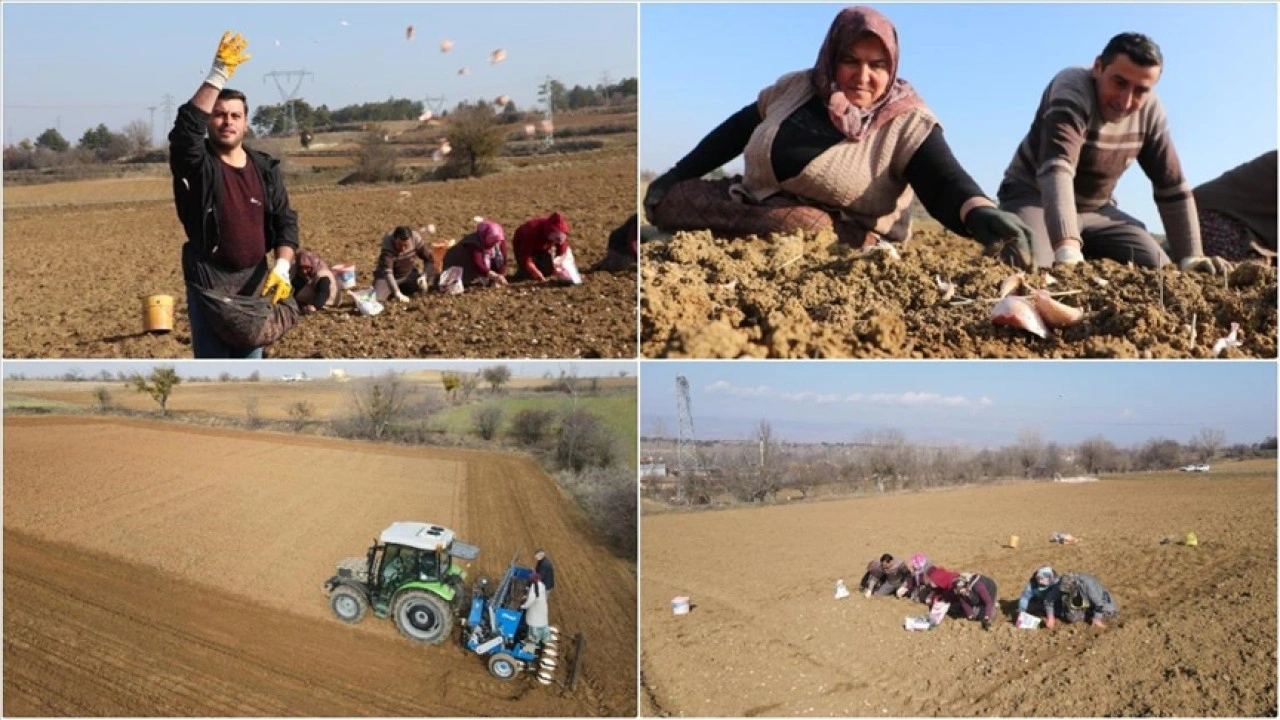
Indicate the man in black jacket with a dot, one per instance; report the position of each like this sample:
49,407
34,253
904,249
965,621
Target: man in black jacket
232,203
545,570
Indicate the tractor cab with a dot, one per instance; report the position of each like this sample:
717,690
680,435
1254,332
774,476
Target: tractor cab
417,553
411,573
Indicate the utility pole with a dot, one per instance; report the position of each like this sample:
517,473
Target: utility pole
151,129
605,82
435,105
167,104
287,94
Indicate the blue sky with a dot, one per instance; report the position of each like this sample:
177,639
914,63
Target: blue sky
982,69
314,368
974,403
90,63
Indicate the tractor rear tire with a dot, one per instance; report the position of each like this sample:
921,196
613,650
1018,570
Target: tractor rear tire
503,666
423,617
349,604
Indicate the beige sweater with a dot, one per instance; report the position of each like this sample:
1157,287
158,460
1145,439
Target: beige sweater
864,181
1071,159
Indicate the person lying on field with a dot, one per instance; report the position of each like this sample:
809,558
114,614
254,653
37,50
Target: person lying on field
884,576
623,249
845,145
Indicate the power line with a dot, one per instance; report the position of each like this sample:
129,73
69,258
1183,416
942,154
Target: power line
289,95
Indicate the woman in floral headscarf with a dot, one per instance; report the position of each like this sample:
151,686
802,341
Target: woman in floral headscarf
314,286
845,146
482,255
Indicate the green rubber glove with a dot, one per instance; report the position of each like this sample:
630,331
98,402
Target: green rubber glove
1003,234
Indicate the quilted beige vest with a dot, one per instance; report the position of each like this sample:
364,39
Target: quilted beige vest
863,181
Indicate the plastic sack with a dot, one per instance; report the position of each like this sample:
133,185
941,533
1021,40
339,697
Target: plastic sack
367,302
841,590
247,321
450,281
939,611
916,623
1028,622
567,268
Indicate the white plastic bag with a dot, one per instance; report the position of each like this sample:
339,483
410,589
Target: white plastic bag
917,623
1028,622
567,268
939,611
367,302
451,281
841,590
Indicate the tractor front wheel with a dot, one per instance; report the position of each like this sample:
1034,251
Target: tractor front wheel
348,604
503,666
423,617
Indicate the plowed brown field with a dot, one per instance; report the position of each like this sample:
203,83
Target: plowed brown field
138,582
802,297
79,256
1196,634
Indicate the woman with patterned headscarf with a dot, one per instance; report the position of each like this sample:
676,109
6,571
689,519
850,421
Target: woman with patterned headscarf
845,146
482,255
314,286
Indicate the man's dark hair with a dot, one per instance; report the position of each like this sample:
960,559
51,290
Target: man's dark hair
1141,49
404,232
886,558
229,94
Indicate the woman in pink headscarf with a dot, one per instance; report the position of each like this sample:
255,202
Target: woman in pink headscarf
314,286
845,145
482,255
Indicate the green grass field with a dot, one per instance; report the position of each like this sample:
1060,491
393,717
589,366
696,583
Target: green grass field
617,411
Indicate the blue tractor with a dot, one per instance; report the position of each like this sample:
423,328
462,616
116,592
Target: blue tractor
494,629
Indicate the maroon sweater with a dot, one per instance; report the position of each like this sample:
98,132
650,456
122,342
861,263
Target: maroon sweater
241,218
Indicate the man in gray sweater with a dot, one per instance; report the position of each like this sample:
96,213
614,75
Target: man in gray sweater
1092,123
1084,597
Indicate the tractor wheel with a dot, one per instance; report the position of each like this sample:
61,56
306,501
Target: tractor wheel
423,617
503,666
348,604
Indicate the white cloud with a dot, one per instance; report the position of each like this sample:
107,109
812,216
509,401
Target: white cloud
811,397
919,399
722,387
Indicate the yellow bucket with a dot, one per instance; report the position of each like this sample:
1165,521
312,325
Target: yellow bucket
1013,541
157,313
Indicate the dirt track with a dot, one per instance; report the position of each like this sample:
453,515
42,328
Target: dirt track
133,240
793,297
1196,635
134,586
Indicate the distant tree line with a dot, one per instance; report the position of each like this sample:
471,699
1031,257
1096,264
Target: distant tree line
97,145
757,469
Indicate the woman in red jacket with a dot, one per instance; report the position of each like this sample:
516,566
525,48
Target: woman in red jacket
538,243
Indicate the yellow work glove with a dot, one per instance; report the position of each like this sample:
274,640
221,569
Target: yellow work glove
229,56
278,285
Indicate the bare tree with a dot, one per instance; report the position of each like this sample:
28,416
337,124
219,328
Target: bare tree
496,376
251,416
102,399
1097,454
138,136
380,403
468,384
300,414
1207,442
1028,451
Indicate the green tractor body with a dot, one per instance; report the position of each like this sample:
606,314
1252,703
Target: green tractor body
409,574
